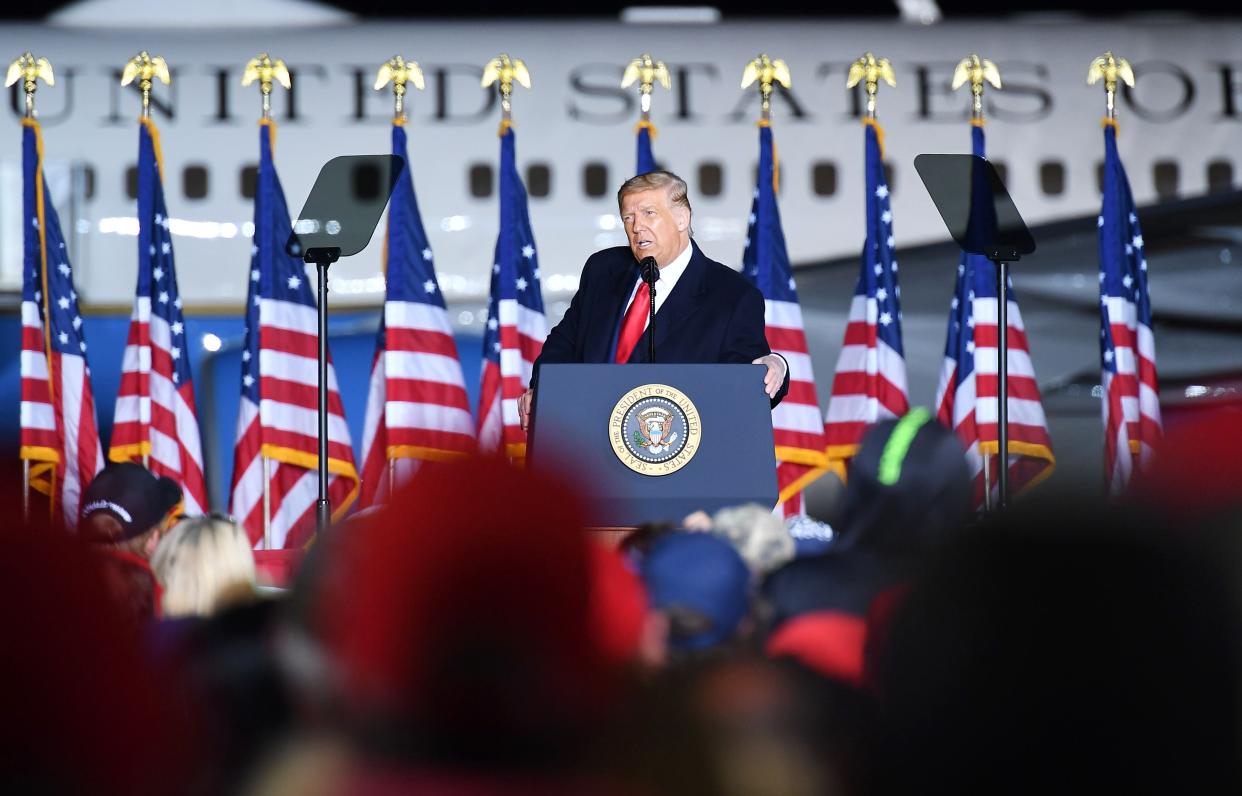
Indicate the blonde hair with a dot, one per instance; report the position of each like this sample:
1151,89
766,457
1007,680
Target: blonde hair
678,191
758,535
203,563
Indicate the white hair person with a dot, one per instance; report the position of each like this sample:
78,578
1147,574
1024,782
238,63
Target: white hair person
758,535
204,563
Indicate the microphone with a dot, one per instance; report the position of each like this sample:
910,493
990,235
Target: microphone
650,271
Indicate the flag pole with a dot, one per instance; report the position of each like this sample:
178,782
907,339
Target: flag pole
766,71
504,70
267,502
646,71
1110,69
144,67
987,483
266,70
870,70
30,70
977,72
25,490
398,71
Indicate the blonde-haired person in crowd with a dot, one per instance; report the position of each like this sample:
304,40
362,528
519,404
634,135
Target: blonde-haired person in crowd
205,563
759,536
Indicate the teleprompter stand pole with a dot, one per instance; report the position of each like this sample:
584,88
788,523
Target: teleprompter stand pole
322,258
1002,367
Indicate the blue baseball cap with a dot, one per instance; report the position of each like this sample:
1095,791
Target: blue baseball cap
702,574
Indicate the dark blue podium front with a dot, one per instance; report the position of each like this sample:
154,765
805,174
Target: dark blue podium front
735,461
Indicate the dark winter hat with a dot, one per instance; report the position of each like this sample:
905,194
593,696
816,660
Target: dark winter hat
909,486
136,497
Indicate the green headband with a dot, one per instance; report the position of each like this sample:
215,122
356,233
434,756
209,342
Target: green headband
898,445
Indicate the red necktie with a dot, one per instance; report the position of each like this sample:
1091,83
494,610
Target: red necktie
634,322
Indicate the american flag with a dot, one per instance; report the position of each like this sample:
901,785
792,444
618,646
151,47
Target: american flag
277,419
870,382
966,397
155,416
797,425
418,408
59,437
1131,407
646,160
516,326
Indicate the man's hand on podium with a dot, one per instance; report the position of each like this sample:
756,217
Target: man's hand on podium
775,376
524,408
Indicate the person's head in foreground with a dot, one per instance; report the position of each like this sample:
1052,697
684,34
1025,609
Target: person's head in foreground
125,505
204,563
85,709
460,631
1085,650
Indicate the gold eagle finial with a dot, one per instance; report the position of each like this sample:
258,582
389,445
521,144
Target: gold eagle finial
504,70
266,69
398,71
1109,68
766,71
30,71
144,67
978,71
646,71
870,71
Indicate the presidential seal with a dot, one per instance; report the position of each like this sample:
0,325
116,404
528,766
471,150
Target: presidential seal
655,429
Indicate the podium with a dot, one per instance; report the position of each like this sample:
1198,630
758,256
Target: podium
654,443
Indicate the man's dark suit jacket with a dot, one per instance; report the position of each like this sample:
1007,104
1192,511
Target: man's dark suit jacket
712,315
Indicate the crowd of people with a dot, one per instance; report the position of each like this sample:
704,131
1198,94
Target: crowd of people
472,638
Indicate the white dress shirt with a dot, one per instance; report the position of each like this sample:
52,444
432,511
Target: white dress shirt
669,275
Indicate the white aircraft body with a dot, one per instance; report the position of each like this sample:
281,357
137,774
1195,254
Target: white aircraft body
575,132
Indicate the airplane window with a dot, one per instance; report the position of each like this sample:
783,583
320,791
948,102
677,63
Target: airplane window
88,181
194,181
595,179
824,178
481,180
1052,177
131,182
539,179
711,179
1219,176
247,180
1164,175
1002,171
780,184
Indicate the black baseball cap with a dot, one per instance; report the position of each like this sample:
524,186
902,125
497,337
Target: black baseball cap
131,493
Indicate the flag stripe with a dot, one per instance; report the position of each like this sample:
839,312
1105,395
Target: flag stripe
418,406
1131,408
516,324
58,427
797,425
967,395
278,413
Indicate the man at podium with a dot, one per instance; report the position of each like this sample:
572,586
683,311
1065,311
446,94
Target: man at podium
705,311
